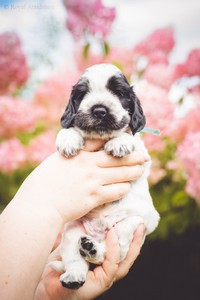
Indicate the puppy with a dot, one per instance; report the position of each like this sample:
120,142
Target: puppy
103,105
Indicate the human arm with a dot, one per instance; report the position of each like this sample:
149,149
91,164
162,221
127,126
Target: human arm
57,191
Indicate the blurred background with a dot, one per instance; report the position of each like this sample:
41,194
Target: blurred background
45,46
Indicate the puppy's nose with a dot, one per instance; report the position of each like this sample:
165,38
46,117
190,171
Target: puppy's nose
99,112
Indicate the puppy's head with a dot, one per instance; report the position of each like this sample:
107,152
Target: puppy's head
103,104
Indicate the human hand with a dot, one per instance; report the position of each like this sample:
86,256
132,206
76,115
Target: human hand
74,186
100,279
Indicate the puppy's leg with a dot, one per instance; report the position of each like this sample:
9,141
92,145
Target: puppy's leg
125,230
91,250
69,142
73,264
121,145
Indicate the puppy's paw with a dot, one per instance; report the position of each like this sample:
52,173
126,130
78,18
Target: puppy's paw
72,280
120,146
91,250
69,142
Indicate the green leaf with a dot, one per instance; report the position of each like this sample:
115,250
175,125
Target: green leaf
86,50
106,48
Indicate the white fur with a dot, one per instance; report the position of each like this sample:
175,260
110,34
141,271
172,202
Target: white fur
83,240
69,141
101,96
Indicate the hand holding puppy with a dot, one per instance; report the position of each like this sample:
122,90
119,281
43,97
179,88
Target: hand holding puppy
100,279
79,184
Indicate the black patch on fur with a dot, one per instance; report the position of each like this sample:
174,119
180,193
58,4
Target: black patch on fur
89,124
78,93
120,87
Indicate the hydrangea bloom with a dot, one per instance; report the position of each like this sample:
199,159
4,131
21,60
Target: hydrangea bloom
54,93
189,152
41,147
158,111
160,74
88,16
189,123
190,67
12,155
14,70
192,63
160,41
17,115
122,58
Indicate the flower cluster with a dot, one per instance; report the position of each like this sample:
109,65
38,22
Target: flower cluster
17,116
14,70
170,97
189,153
88,17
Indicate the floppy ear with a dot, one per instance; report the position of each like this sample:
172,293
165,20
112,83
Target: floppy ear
69,113
138,119
78,92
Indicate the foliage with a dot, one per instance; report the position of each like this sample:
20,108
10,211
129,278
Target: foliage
170,96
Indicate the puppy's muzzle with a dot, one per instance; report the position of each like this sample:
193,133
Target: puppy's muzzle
99,112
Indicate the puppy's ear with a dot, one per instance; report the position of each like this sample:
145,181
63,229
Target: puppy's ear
69,113
78,92
138,119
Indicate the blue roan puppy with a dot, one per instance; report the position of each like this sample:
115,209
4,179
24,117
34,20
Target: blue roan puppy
103,105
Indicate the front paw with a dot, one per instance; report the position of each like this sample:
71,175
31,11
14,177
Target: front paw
69,142
119,147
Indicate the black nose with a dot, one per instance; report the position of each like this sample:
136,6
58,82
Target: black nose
99,112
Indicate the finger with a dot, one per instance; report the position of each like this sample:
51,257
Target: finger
121,174
113,192
105,160
93,145
112,258
106,273
133,253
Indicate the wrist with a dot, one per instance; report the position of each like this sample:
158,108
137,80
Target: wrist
40,199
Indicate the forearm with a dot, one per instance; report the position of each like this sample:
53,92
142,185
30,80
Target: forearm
27,234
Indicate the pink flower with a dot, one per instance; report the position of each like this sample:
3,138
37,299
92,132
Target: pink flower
157,172
121,57
88,16
17,115
54,93
12,155
158,57
92,59
160,74
191,67
189,123
192,64
159,113
161,40
41,147
14,70
189,153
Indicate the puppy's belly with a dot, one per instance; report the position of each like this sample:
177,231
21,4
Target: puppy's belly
137,202
99,221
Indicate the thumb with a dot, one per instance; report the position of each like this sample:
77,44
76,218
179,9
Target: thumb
93,145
